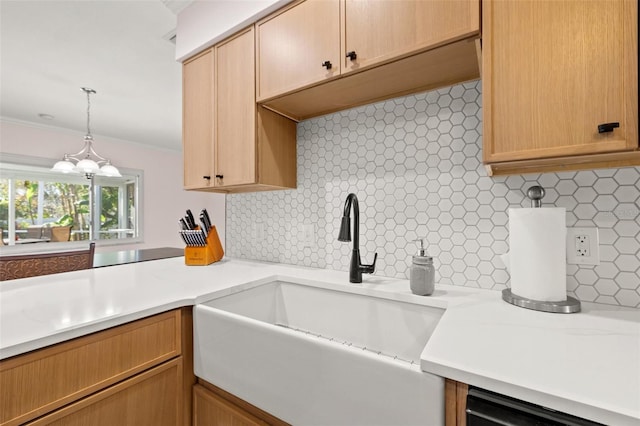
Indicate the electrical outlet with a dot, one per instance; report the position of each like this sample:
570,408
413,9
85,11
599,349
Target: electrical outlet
583,246
308,234
257,231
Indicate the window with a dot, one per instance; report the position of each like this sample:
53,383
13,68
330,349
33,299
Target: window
41,206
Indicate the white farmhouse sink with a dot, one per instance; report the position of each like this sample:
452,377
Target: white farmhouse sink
313,356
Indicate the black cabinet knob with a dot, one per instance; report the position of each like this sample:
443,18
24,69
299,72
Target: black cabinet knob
607,127
351,55
219,176
327,64
206,177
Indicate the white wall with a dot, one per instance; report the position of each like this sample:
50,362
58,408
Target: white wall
164,199
204,23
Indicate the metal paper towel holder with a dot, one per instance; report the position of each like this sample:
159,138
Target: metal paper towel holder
569,306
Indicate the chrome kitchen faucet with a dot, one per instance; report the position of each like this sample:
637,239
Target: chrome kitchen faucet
356,269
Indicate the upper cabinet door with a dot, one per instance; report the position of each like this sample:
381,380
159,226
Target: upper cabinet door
236,111
298,47
376,30
553,71
197,119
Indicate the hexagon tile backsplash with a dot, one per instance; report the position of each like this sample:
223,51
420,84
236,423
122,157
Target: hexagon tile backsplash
415,164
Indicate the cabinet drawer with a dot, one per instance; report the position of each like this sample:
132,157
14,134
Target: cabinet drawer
215,406
150,398
210,409
41,381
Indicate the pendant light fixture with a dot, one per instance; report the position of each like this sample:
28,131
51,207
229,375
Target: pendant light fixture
87,161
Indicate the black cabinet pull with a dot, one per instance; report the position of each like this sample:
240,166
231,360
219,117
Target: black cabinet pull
351,55
206,177
327,64
219,176
607,127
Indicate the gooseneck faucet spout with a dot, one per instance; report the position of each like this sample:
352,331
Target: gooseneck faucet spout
356,269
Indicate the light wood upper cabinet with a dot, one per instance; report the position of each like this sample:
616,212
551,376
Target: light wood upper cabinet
242,146
293,45
378,50
197,120
235,157
381,30
255,148
552,72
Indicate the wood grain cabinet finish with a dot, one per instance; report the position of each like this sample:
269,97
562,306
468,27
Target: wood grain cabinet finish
552,72
377,31
197,120
254,149
455,394
293,45
38,382
213,406
148,399
210,410
235,108
385,49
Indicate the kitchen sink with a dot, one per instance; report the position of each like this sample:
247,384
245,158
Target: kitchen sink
311,355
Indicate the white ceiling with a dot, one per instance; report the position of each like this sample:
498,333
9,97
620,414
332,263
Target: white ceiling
49,49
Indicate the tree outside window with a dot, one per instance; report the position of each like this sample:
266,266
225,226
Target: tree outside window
34,201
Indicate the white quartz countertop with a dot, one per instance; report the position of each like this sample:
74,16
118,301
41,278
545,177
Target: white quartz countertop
586,364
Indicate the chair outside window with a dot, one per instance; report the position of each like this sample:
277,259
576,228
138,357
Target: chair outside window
32,265
34,231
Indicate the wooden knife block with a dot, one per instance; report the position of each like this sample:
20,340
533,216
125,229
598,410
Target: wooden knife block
205,255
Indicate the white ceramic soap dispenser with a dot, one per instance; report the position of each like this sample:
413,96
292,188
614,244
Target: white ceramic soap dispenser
422,273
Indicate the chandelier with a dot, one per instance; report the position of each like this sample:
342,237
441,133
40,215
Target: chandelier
87,161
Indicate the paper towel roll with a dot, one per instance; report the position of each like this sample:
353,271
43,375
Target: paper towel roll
537,253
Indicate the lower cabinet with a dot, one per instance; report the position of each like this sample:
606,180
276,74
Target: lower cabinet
213,406
455,403
140,373
151,398
210,409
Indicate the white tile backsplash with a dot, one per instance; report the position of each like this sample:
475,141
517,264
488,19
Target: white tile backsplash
415,164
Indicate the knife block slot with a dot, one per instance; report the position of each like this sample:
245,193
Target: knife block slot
205,255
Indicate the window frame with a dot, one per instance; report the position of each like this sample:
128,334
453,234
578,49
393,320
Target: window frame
47,163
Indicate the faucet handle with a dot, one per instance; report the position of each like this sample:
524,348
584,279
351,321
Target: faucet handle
370,269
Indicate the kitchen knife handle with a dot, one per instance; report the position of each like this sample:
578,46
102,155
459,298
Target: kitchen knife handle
206,214
205,227
192,221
